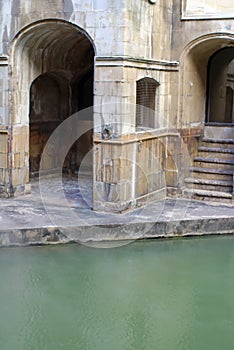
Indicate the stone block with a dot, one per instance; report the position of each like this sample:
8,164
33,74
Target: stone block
156,181
3,143
19,176
170,163
107,174
20,160
141,184
114,193
20,137
125,191
116,176
171,177
109,74
3,160
101,4
4,177
100,191
152,183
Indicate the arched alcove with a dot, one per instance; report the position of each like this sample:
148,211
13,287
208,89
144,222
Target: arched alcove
52,63
220,87
193,77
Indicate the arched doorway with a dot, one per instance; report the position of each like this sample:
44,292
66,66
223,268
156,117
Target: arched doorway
206,108
194,78
47,110
220,87
53,98
52,78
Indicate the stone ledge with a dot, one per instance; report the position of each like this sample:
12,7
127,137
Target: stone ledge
135,62
116,232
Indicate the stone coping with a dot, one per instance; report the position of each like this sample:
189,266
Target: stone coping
143,135
115,233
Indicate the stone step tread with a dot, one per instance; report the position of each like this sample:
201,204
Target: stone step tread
209,181
215,149
221,141
214,160
212,171
209,193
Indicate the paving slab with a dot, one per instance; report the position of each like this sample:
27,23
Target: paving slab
60,212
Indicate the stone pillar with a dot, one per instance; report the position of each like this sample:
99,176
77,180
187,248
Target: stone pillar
113,125
4,133
114,183
19,160
4,173
131,166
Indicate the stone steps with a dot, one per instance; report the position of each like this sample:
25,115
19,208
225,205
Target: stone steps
217,152
220,163
209,184
211,176
216,149
218,143
209,173
207,195
214,160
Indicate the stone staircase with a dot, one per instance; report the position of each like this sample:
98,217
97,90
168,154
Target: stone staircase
211,176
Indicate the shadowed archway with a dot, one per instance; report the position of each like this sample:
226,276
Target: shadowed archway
220,87
52,78
194,78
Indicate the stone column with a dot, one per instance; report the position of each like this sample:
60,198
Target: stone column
4,132
114,115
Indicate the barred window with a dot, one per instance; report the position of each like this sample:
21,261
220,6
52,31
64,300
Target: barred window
145,103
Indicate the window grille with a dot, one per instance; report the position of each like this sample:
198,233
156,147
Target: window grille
145,100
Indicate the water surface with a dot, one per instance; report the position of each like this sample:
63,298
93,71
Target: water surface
163,295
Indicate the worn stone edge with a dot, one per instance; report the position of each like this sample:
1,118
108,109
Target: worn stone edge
106,233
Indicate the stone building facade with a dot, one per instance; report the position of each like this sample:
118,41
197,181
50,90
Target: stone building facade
155,78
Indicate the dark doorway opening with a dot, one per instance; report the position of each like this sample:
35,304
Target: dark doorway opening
64,88
53,98
220,87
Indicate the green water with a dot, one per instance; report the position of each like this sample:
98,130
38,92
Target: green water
162,295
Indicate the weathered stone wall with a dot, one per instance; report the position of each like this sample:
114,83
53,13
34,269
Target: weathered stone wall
122,42
103,20
138,168
187,30
148,29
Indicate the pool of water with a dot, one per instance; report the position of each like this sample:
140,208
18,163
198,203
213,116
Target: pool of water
164,295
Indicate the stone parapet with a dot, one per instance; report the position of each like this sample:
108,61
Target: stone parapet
130,171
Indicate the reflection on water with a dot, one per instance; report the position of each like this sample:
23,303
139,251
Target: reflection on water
175,294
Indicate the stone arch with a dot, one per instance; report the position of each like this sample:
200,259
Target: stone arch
53,52
193,76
